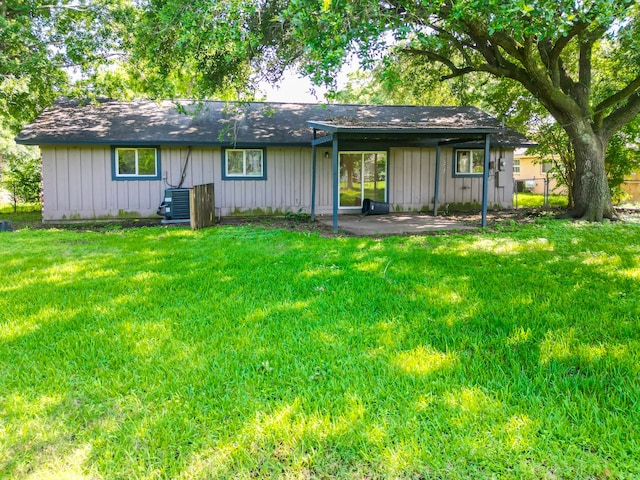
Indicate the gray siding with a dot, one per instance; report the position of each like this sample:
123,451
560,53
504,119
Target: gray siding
412,180
77,182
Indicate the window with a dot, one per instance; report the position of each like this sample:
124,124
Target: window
136,163
546,167
516,165
469,162
243,163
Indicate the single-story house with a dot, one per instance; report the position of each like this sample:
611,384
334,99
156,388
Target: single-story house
531,173
116,159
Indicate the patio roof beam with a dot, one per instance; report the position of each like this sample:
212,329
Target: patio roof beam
485,179
403,137
455,141
321,140
336,182
314,155
401,129
437,182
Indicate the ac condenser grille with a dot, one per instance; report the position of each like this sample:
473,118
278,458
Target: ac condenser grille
179,203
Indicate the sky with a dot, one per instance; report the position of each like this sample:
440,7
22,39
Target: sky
294,88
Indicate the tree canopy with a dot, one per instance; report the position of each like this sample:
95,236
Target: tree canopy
42,44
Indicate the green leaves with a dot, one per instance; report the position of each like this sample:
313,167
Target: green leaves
45,45
20,174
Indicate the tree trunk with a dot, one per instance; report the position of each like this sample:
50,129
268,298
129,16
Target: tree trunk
592,199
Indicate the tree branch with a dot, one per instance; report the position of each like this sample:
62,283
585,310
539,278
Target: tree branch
460,46
62,7
621,116
545,48
565,82
616,98
455,70
459,73
582,90
563,41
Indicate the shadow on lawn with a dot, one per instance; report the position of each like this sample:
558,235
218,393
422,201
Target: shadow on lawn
339,357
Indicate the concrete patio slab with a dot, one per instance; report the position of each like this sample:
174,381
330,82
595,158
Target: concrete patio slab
393,224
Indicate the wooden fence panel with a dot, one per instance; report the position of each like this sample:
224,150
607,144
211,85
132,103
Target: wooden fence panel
202,204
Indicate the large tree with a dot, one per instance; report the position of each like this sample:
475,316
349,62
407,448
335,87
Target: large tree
548,46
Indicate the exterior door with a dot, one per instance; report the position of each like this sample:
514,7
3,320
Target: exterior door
362,175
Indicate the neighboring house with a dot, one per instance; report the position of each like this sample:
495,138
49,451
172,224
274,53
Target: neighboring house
530,174
115,159
631,186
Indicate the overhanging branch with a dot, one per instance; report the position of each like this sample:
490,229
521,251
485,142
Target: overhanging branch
459,73
616,98
455,70
621,116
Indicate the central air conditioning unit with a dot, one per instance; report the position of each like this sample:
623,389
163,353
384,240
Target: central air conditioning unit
175,206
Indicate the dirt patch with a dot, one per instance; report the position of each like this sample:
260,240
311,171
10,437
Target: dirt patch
301,223
294,224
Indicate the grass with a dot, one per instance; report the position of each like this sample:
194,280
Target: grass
23,214
532,200
249,353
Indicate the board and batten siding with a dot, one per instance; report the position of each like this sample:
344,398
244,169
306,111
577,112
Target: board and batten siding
412,180
287,187
77,182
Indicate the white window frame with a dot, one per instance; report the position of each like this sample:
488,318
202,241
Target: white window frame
516,165
470,151
546,167
261,175
136,175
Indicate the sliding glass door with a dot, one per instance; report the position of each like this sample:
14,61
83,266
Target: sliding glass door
362,175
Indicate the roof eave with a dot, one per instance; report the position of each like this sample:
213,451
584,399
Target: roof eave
401,130
177,143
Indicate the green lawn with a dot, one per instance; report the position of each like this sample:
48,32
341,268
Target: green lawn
530,200
23,214
248,353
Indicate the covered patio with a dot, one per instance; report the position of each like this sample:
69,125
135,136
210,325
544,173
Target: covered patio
437,133
394,224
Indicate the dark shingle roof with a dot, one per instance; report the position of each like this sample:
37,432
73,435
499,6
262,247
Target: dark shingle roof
246,124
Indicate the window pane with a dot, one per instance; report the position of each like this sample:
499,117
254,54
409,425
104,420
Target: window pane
463,162
254,163
146,161
350,179
235,159
516,165
375,175
478,161
126,161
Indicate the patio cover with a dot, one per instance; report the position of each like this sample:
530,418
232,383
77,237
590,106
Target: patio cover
402,134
